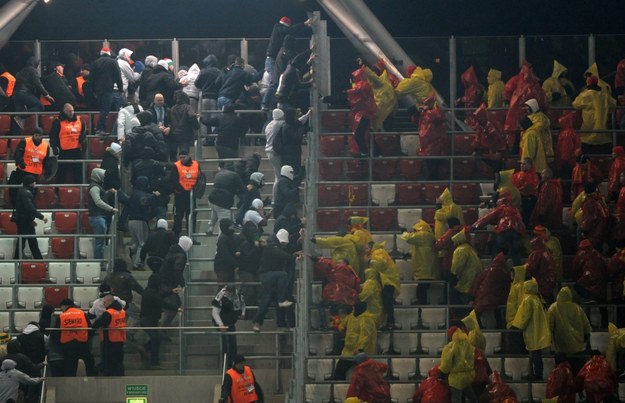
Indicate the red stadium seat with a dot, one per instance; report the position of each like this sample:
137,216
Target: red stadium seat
2,172
330,195
33,272
470,215
462,144
97,147
466,193
328,220
334,121
411,169
384,170
54,295
357,170
66,222
45,122
13,143
6,225
432,191
63,248
69,197
427,214
357,194
331,170
45,198
4,148
409,194
29,126
388,144
383,219
5,124
6,198
85,225
497,116
111,119
90,166
484,171
350,212
332,146
464,169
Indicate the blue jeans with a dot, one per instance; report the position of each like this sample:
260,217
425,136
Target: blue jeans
222,102
274,284
108,101
269,98
98,224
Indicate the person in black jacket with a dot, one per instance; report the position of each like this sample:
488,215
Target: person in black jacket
110,164
105,75
171,274
27,90
207,81
123,283
227,254
233,82
160,81
231,129
147,134
33,343
24,216
252,191
24,363
67,135
183,125
292,136
287,191
228,308
251,247
227,184
156,172
158,243
182,184
150,63
33,158
56,83
273,277
152,306
292,91
289,221
112,349
139,213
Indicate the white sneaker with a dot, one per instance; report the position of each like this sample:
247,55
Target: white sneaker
285,304
256,327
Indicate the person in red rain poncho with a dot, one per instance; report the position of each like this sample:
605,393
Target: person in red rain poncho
561,381
618,218
510,228
380,67
341,284
595,215
363,106
433,138
489,140
541,265
616,271
597,380
368,383
583,172
617,167
548,208
445,247
590,272
498,391
527,181
568,147
520,88
433,389
491,288
473,90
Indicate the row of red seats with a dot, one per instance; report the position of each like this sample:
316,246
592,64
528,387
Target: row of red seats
45,122
406,194
96,146
61,197
64,222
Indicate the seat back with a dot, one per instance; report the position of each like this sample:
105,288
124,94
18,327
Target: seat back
66,222
383,194
33,272
7,247
7,273
46,198
54,295
87,272
63,248
407,217
6,297
22,319
29,297
69,197
60,272
84,296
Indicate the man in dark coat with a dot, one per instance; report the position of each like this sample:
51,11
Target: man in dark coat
160,81
233,82
171,274
24,216
122,282
105,74
147,134
58,86
27,90
207,81
227,184
227,255
158,243
231,129
287,191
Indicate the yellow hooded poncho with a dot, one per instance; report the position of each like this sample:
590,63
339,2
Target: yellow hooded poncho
553,245
615,344
532,319
371,294
448,209
424,259
596,107
593,70
532,146
568,323
417,85
361,334
457,361
384,264
505,185
543,125
576,208
363,239
476,337
516,294
343,247
553,85
494,95
465,264
384,95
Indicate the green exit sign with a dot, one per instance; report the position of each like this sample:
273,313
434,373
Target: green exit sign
136,400
137,390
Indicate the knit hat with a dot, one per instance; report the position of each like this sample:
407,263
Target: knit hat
257,204
116,148
592,81
533,105
144,117
163,64
185,243
287,171
285,21
585,243
151,61
162,223
618,150
239,359
277,114
104,290
67,302
257,178
39,130
283,236
105,51
28,180
360,358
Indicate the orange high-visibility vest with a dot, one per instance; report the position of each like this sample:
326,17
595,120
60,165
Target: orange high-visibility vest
69,135
80,81
73,318
117,327
11,83
187,175
243,390
34,155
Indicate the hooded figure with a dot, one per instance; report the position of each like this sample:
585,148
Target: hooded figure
494,96
597,380
568,324
541,123
492,286
561,381
555,91
363,111
532,145
516,295
596,104
457,361
595,216
384,96
341,284
10,380
548,208
360,333
418,84
226,257
552,244
505,185
357,226
432,389
518,89
590,272
286,191
433,138
476,337
489,140
541,266
616,343
473,90
371,294
389,278
368,383
122,282
424,259
498,391
569,145
446,210
465,264
99,209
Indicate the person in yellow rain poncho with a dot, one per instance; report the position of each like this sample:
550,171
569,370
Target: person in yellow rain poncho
356,226
371,294
424,259
593,70
389,278
568,324
505,185
418,84
555,87
360,336
531,144
384,96
494,94
476,337
541,122
513,343
343,248
575,212
447,209
465,265
596,106
616,344
531,319
457,364
553,245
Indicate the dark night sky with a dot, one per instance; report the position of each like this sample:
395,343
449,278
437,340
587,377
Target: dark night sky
96,19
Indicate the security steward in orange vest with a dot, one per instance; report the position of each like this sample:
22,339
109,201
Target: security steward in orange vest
7,85
240,384
75,343
183,179
67,136
83,90
112,325
30,156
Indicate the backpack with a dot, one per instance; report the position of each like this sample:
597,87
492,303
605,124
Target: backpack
278,141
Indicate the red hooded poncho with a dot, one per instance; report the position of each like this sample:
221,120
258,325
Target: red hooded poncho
433,138
569,145
596,379
548,208
520,88
542,266
368,382
362,103
473,90
498,391
505,216
432,390
561,383
526,181
342,285
590,270
492,286
489,140
582,174
595,215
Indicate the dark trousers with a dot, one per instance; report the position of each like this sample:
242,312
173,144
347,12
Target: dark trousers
112,358
182,208
27,229
536,362
388,300
274,288
340,371
248,291
154,343
229,345
72,352
527,207
72,172
508,241
26,102
224,152
359,135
